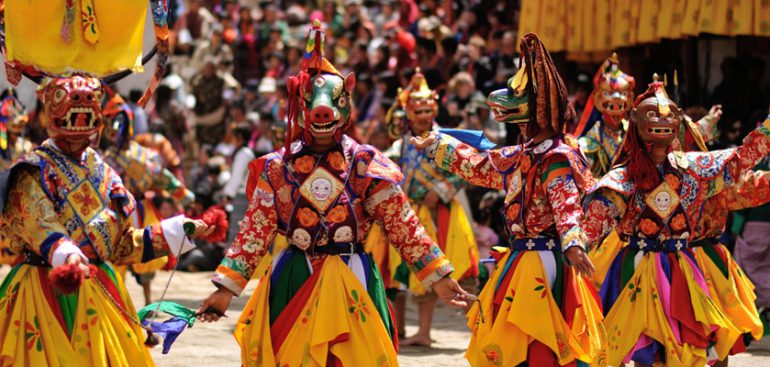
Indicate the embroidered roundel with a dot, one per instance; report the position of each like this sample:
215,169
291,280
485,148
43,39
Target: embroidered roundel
663,200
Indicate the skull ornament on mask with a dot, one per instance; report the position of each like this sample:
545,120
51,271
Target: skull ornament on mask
73,107
613,91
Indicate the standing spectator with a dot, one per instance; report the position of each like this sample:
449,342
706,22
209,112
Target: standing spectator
235,190
140,117
166,117
209,111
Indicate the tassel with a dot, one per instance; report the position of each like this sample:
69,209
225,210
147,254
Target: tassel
152,339
67,278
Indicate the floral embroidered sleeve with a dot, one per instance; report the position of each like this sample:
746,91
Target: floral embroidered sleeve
465,161
30,218
565,199
603,211
755,147
257,231
752,190
386,203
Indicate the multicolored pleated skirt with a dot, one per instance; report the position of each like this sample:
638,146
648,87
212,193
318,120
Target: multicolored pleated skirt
39,327
538,310
731,290
660,310
324,311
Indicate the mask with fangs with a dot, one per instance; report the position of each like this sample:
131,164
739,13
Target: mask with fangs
73,106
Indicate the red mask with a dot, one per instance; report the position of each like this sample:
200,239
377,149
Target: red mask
73,106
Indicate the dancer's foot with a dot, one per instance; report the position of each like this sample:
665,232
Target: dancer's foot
417,340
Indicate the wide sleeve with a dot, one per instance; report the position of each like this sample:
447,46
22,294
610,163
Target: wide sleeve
603,210
257,231
565,199
166,180
755,147
465,161
752,190
387,204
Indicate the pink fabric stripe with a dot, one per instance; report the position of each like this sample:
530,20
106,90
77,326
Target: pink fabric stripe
664,289
701,280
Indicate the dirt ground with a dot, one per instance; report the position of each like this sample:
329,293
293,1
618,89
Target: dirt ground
214,345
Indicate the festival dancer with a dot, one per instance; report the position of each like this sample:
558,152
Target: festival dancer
142,171
322,302
729,287
544,179
431,192
13,145
655,197
68,213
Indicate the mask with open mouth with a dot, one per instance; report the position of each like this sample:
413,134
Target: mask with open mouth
73,107
613,90
327,104
656,117
511,104
420,103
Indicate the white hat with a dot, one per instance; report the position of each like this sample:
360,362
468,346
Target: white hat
267,85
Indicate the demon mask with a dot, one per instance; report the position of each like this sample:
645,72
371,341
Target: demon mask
118,123
613,91
420,103
656,117
511,104
73,108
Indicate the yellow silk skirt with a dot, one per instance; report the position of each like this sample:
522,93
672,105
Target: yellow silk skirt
33,336
603,255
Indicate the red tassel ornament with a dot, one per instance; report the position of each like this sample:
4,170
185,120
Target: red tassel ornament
67,278
217,218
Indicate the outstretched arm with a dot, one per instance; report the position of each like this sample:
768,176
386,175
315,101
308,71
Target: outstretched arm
461,159
752,190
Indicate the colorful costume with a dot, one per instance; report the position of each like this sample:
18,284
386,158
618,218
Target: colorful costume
55,207
141,169
13,145
448,225
730,289
544,185
323,301
62,202
656,299
601,130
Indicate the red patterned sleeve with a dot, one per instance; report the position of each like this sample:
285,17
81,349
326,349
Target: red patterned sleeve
752,190
565,198
256,233
465,161
386,203
602,213
755,147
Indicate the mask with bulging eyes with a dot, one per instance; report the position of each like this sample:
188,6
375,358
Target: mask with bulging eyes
657,120
327,103
73,106
613,89
511,104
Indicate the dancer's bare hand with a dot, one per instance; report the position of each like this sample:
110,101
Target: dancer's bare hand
422,142
716,113
214,307
76,259
579,259
451,293
201,228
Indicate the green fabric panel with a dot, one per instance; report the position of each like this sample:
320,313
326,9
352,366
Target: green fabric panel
8,279
558,284
483,275
291,279
627,266
402,274
555,166
712,253
377,292
68,304
171,308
